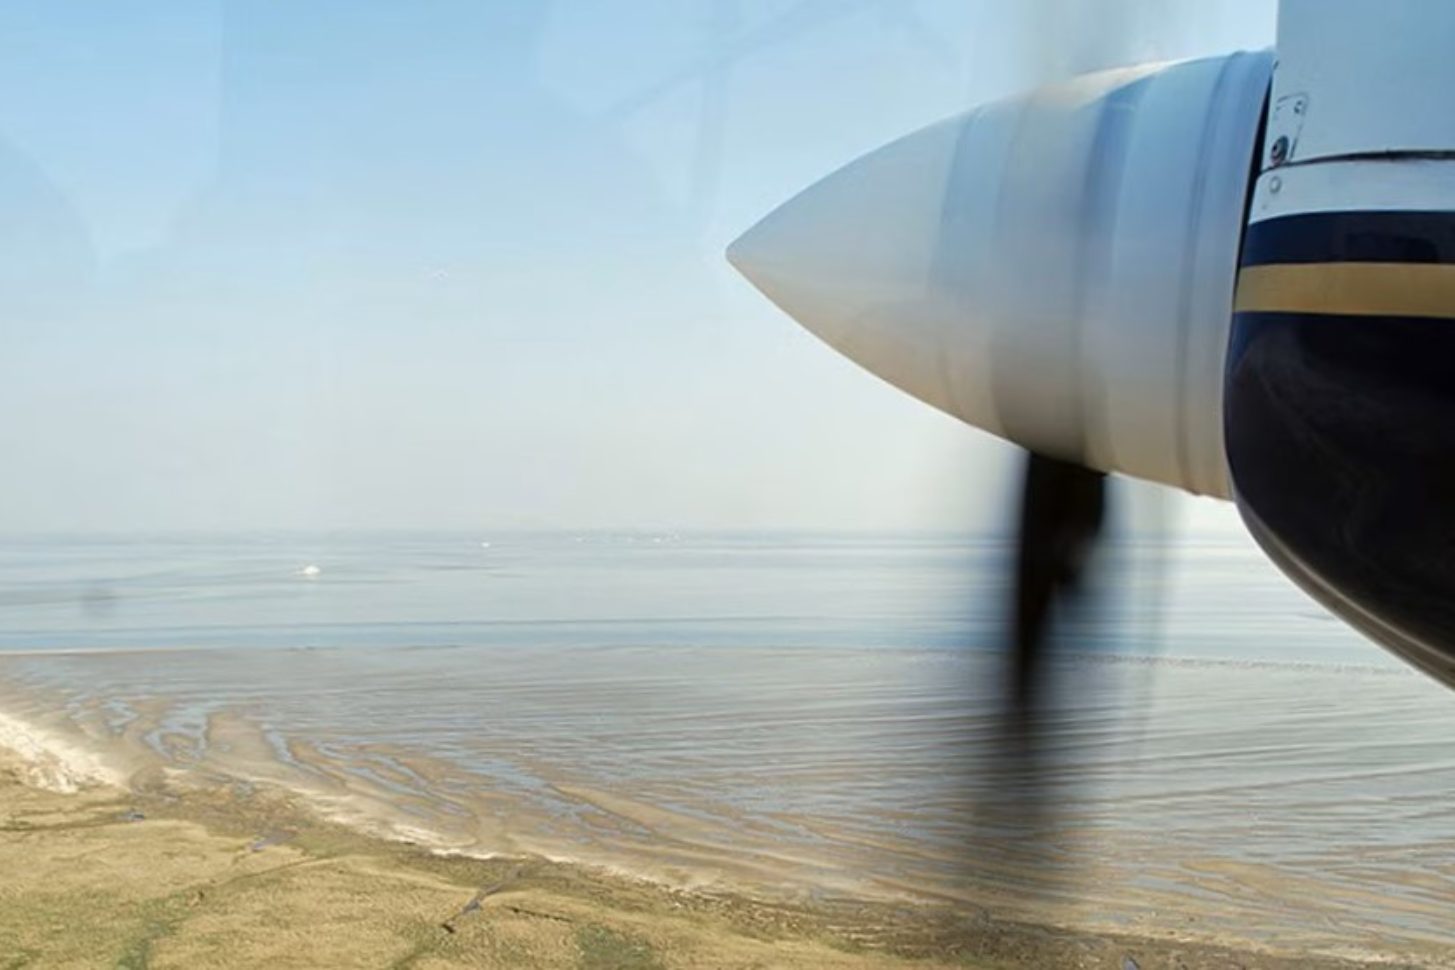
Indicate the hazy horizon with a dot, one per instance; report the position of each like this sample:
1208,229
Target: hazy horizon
334,267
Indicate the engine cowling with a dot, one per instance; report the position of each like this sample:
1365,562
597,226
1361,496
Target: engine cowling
1341,376
1055,269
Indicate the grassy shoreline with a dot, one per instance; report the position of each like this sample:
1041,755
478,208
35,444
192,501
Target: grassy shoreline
227,878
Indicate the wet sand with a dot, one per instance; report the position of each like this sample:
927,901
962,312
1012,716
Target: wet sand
239,876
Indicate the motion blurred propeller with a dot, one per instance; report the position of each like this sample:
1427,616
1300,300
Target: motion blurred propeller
1061,514
1214,275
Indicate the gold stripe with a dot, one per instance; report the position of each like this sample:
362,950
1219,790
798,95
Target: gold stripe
1349,289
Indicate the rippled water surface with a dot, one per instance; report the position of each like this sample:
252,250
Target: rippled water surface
811,712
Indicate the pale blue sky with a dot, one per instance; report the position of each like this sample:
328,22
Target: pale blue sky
451,263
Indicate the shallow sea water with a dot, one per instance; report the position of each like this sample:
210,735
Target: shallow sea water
800,713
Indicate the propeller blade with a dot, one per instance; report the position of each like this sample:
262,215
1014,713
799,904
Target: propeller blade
1062,509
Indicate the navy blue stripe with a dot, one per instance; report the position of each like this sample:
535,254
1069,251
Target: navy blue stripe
1394,355
1352,237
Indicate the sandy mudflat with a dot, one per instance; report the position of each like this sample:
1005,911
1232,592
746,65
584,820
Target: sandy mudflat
102,877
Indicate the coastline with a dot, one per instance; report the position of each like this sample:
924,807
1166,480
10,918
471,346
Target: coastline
157,876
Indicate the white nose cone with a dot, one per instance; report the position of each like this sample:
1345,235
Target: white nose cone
852,259
1056,270
942,262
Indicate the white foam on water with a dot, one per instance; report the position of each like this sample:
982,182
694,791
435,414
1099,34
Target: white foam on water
53,763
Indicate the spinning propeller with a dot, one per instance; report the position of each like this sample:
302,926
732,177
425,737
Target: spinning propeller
1233,276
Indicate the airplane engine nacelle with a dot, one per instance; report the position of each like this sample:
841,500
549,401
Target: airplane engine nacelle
1056,269
1059,270
1341,373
